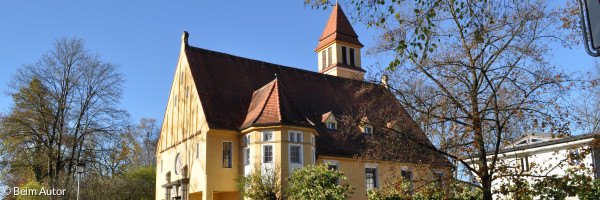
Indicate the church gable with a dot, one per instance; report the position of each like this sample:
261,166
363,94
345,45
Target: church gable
184,117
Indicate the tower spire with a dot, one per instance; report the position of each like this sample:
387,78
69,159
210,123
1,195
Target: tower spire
339,49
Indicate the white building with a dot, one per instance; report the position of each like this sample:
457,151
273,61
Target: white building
541,154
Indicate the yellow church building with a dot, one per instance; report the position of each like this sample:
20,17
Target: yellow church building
227,114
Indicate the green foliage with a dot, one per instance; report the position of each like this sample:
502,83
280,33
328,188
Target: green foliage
259,186
403,190
140,183
318,182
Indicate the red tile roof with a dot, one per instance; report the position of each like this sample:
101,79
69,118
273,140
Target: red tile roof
338,28
271,105
238,92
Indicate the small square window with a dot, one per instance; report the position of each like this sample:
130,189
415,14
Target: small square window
331,125
267,136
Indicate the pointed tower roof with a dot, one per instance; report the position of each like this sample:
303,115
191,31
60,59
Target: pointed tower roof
270,105
338,28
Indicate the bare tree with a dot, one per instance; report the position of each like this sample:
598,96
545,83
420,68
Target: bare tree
63,104
587,103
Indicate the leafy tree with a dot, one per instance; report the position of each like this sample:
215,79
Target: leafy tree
472,73
263,185
318,182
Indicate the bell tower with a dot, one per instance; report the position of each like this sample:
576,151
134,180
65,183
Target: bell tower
339,49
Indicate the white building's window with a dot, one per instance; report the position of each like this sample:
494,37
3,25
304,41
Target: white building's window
247,156
227,154
267,136
296,154
524,163
371,177
246,140
368,130
295,136
574,157
267,153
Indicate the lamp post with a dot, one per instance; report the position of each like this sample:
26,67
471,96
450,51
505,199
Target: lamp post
79,170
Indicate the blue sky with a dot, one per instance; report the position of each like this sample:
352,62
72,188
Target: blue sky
144,38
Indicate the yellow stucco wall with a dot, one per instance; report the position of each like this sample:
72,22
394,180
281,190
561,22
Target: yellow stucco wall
388,172
184,127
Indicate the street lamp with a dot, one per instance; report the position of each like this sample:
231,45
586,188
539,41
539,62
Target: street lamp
80,168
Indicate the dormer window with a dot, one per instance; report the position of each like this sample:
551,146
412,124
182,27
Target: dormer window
331,126
329,120
368,130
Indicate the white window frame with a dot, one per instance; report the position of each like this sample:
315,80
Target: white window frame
331,125
262,152
314,155
312,140
246,156
333,162
230,153
524,163
246,140
375,178
300,154
263,133
293,136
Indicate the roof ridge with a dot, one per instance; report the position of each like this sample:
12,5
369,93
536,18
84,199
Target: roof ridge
283,66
